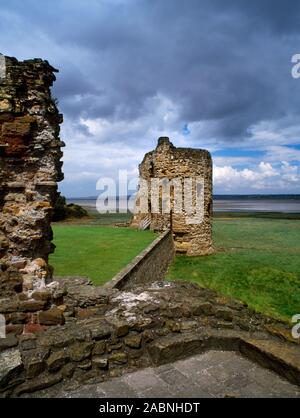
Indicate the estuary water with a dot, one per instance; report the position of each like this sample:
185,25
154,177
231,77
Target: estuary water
230,204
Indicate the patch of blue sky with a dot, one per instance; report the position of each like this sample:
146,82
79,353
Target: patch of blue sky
185,129
237,152
294,146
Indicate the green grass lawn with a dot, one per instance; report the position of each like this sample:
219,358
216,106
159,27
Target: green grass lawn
257,261
95,251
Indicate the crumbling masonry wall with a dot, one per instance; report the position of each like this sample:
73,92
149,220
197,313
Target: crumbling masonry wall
169,162
30,153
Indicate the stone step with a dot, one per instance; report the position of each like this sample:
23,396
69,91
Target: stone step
283,358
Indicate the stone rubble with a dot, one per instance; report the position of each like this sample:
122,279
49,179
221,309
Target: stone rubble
167,321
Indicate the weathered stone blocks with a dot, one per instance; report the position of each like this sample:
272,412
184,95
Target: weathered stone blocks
182,319
10,365
180,167
30,167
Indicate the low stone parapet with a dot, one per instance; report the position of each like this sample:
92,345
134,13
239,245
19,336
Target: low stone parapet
121,331
149,266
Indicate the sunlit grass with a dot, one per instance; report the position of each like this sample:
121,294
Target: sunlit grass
257,261
96,252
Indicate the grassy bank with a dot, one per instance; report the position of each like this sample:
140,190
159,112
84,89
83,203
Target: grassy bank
257,258
96,252
257,261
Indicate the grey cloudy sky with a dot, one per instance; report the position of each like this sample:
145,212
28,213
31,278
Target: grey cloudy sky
214,74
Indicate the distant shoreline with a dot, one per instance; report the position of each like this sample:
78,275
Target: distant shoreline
220,197
231,203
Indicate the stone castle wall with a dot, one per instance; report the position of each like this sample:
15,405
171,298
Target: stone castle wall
169,162
30,153
149,266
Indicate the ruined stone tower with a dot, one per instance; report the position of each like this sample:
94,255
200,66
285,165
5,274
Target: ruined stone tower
186,175
30,152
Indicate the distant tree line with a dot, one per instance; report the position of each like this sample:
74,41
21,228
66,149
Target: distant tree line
63,210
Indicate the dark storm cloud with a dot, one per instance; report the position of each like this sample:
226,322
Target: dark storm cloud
223,62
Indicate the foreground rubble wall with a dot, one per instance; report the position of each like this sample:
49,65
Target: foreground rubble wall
110,332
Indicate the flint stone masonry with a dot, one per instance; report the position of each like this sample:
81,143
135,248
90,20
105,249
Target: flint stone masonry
30,153
149,266
150,325
169,162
